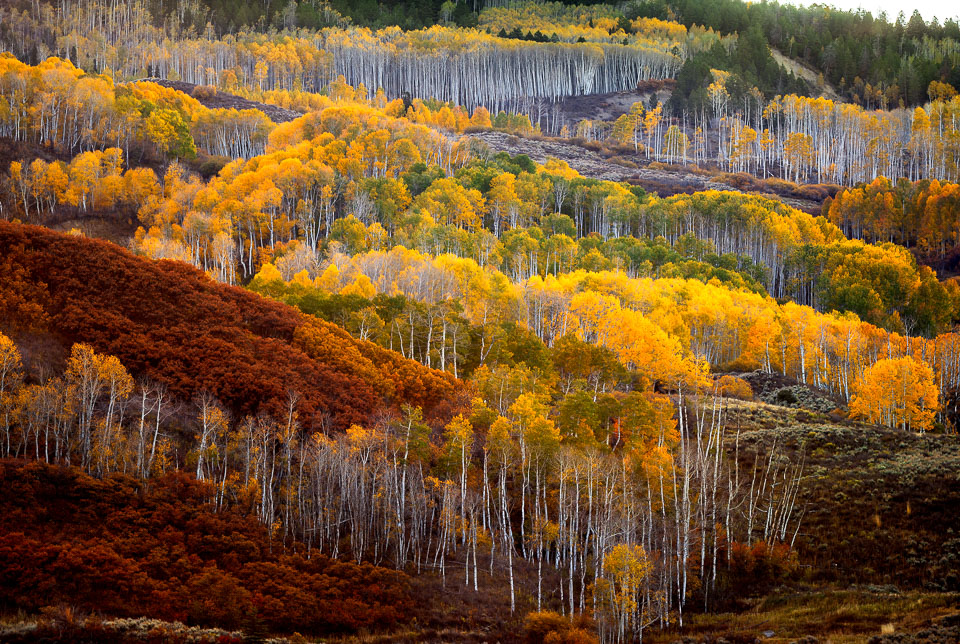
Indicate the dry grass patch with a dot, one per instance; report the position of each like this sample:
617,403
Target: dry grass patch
840,617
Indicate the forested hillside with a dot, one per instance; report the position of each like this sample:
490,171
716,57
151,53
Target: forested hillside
196,336
477,321
873,59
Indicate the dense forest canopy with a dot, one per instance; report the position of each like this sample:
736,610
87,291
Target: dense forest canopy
563,322
860,53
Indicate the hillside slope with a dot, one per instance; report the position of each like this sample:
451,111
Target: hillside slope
172,323
121,547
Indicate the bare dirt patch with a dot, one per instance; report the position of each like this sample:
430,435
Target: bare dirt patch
596,165
592,164
806,73
607,107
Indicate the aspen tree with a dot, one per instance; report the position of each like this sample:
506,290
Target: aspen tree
897,393
11,374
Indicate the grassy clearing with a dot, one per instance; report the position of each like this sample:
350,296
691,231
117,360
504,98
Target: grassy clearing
879,506
837,616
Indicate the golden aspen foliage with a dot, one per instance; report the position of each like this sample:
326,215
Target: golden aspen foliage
897,392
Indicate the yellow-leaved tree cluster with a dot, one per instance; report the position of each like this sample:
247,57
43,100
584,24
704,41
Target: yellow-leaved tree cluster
56,104
797,138
469,67
668,331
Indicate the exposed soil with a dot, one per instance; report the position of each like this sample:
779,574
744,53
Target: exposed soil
607,107
230,101
806,73
594,164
